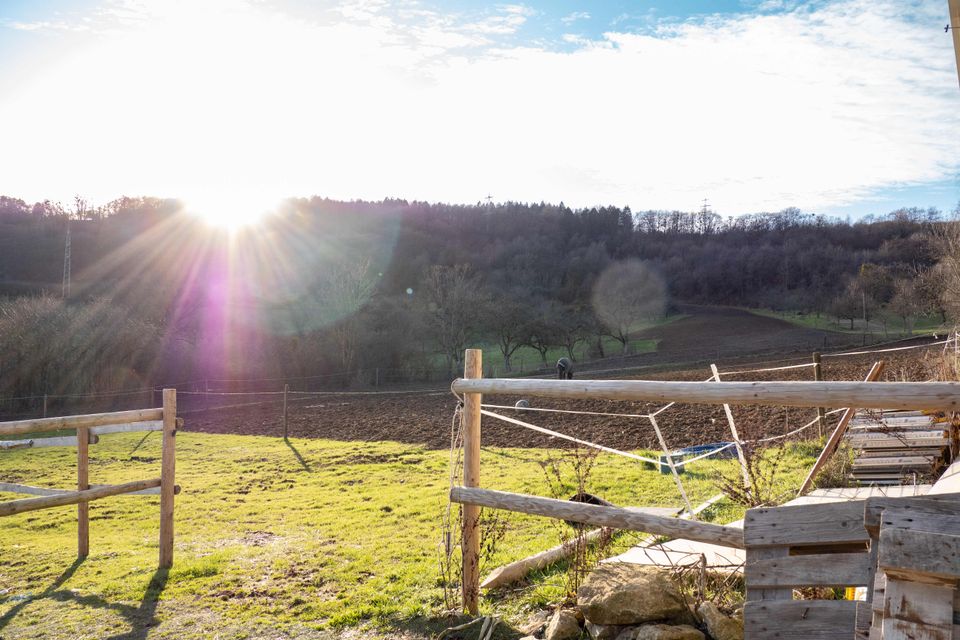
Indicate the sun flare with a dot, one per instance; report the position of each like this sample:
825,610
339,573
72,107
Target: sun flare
230,211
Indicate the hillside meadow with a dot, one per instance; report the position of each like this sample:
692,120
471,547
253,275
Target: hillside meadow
305,538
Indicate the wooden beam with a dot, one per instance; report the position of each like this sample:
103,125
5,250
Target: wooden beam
916,611
800,619
33,443
39,425
14,507
834,440
880,395
954,6
818,377
510,573
744,468
470,536
12,487
806,525
614,517
824,570
83,483
168,459
148,425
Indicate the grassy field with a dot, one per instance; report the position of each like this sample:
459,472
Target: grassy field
306,539
883,324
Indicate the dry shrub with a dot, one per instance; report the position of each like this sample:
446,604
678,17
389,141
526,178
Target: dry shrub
567,474
761,489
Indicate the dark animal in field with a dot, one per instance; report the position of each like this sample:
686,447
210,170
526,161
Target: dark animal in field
564,369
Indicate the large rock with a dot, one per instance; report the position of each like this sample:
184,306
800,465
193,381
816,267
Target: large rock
603,631
720,626
535,623
662,632
621,593
563,626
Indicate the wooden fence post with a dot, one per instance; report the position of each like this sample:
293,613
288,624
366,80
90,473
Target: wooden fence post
83,483
472,368
167,477
821,412
44,405
744,467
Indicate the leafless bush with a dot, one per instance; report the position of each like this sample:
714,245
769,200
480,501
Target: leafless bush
761,488
567,474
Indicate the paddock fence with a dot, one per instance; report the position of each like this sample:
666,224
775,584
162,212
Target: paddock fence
87,431
841,396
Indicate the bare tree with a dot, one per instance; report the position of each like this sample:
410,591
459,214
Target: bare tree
626,293
450,303
509,319
345,287
948,245
906,302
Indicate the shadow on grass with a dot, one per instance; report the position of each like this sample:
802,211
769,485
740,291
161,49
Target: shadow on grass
303,463
140,444
141,618
6,618
433,627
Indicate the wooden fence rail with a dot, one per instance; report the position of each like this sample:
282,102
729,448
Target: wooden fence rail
942,396
880,395
88,429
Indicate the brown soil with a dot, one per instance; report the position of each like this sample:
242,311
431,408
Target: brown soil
426,418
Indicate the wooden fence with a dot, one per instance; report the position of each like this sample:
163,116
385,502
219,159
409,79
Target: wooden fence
880,395
88,430
904,551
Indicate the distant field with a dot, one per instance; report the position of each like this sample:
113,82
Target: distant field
277,540
528,358
883,325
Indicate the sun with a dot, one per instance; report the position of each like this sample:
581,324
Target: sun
231,211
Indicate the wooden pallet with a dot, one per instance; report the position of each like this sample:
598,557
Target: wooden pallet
891,446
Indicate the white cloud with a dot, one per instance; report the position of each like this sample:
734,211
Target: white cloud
817,107
574,16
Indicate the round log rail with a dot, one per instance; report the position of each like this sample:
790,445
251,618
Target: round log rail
73,497
39,425
873,395
613,517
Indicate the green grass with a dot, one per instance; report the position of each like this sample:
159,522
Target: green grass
894,324
277,540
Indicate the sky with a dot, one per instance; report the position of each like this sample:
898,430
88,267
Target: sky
845,107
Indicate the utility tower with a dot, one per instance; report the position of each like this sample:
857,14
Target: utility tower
66,264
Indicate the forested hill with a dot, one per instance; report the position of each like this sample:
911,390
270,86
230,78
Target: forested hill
787,259
324,285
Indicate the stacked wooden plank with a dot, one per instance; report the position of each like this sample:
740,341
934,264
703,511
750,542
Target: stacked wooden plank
892,447
916,543
905,551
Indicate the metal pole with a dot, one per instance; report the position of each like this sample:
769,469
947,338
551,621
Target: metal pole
286,388
821,412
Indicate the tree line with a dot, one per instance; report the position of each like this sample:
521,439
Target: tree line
325,286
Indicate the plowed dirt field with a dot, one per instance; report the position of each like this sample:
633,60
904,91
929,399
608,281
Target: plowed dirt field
425,418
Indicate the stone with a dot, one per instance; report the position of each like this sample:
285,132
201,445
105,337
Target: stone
619,593
603,631
664,632
563,626
719,626
535,623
